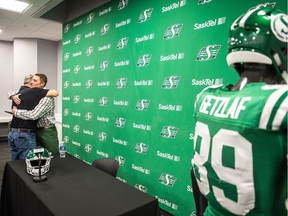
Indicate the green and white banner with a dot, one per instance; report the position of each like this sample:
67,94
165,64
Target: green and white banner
131,72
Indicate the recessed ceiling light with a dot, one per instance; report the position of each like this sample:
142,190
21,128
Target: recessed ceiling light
12,5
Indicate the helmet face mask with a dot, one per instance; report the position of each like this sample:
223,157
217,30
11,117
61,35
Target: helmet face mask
260,36
32,162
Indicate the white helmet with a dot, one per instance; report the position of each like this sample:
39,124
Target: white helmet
32,161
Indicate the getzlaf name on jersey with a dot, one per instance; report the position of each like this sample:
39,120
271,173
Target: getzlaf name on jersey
240,149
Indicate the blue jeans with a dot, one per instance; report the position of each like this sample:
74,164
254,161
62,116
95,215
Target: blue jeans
21,143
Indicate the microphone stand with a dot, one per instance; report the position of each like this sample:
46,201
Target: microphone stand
39,178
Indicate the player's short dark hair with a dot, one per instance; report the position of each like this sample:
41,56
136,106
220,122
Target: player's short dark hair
43,77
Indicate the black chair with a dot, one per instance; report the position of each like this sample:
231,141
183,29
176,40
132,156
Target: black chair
108,165
200,200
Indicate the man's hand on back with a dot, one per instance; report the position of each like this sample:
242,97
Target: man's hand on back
16,99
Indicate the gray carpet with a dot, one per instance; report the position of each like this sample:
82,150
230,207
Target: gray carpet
4,157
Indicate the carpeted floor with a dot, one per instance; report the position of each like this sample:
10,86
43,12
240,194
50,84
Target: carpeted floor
4,157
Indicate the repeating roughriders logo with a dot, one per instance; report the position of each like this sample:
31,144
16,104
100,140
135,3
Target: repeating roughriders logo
121,83
167,180
76,129
105,29
120,159
144,60
66,84
66,112
66,139
122,4
122,43
103,101
141,148
76,99
90,18
66,56
67,28
204,1
141,188
89,51
169,132
89,84
77,38
173,31
142,104
145,15
102,136
88,116
208,53
88,148
104,65
171,82
120,122
77,69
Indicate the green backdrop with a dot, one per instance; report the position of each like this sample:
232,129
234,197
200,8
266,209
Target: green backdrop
131,71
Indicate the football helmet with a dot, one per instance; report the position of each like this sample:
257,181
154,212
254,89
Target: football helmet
32,161
260,36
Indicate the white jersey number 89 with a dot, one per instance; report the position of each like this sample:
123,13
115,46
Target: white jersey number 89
241,176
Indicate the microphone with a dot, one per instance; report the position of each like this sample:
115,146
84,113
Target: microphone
38,151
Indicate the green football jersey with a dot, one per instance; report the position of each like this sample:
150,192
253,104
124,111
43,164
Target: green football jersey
240,149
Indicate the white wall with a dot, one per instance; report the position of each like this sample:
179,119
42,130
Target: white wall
47,61
35,56
6,74
25,60
59,77
58,109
